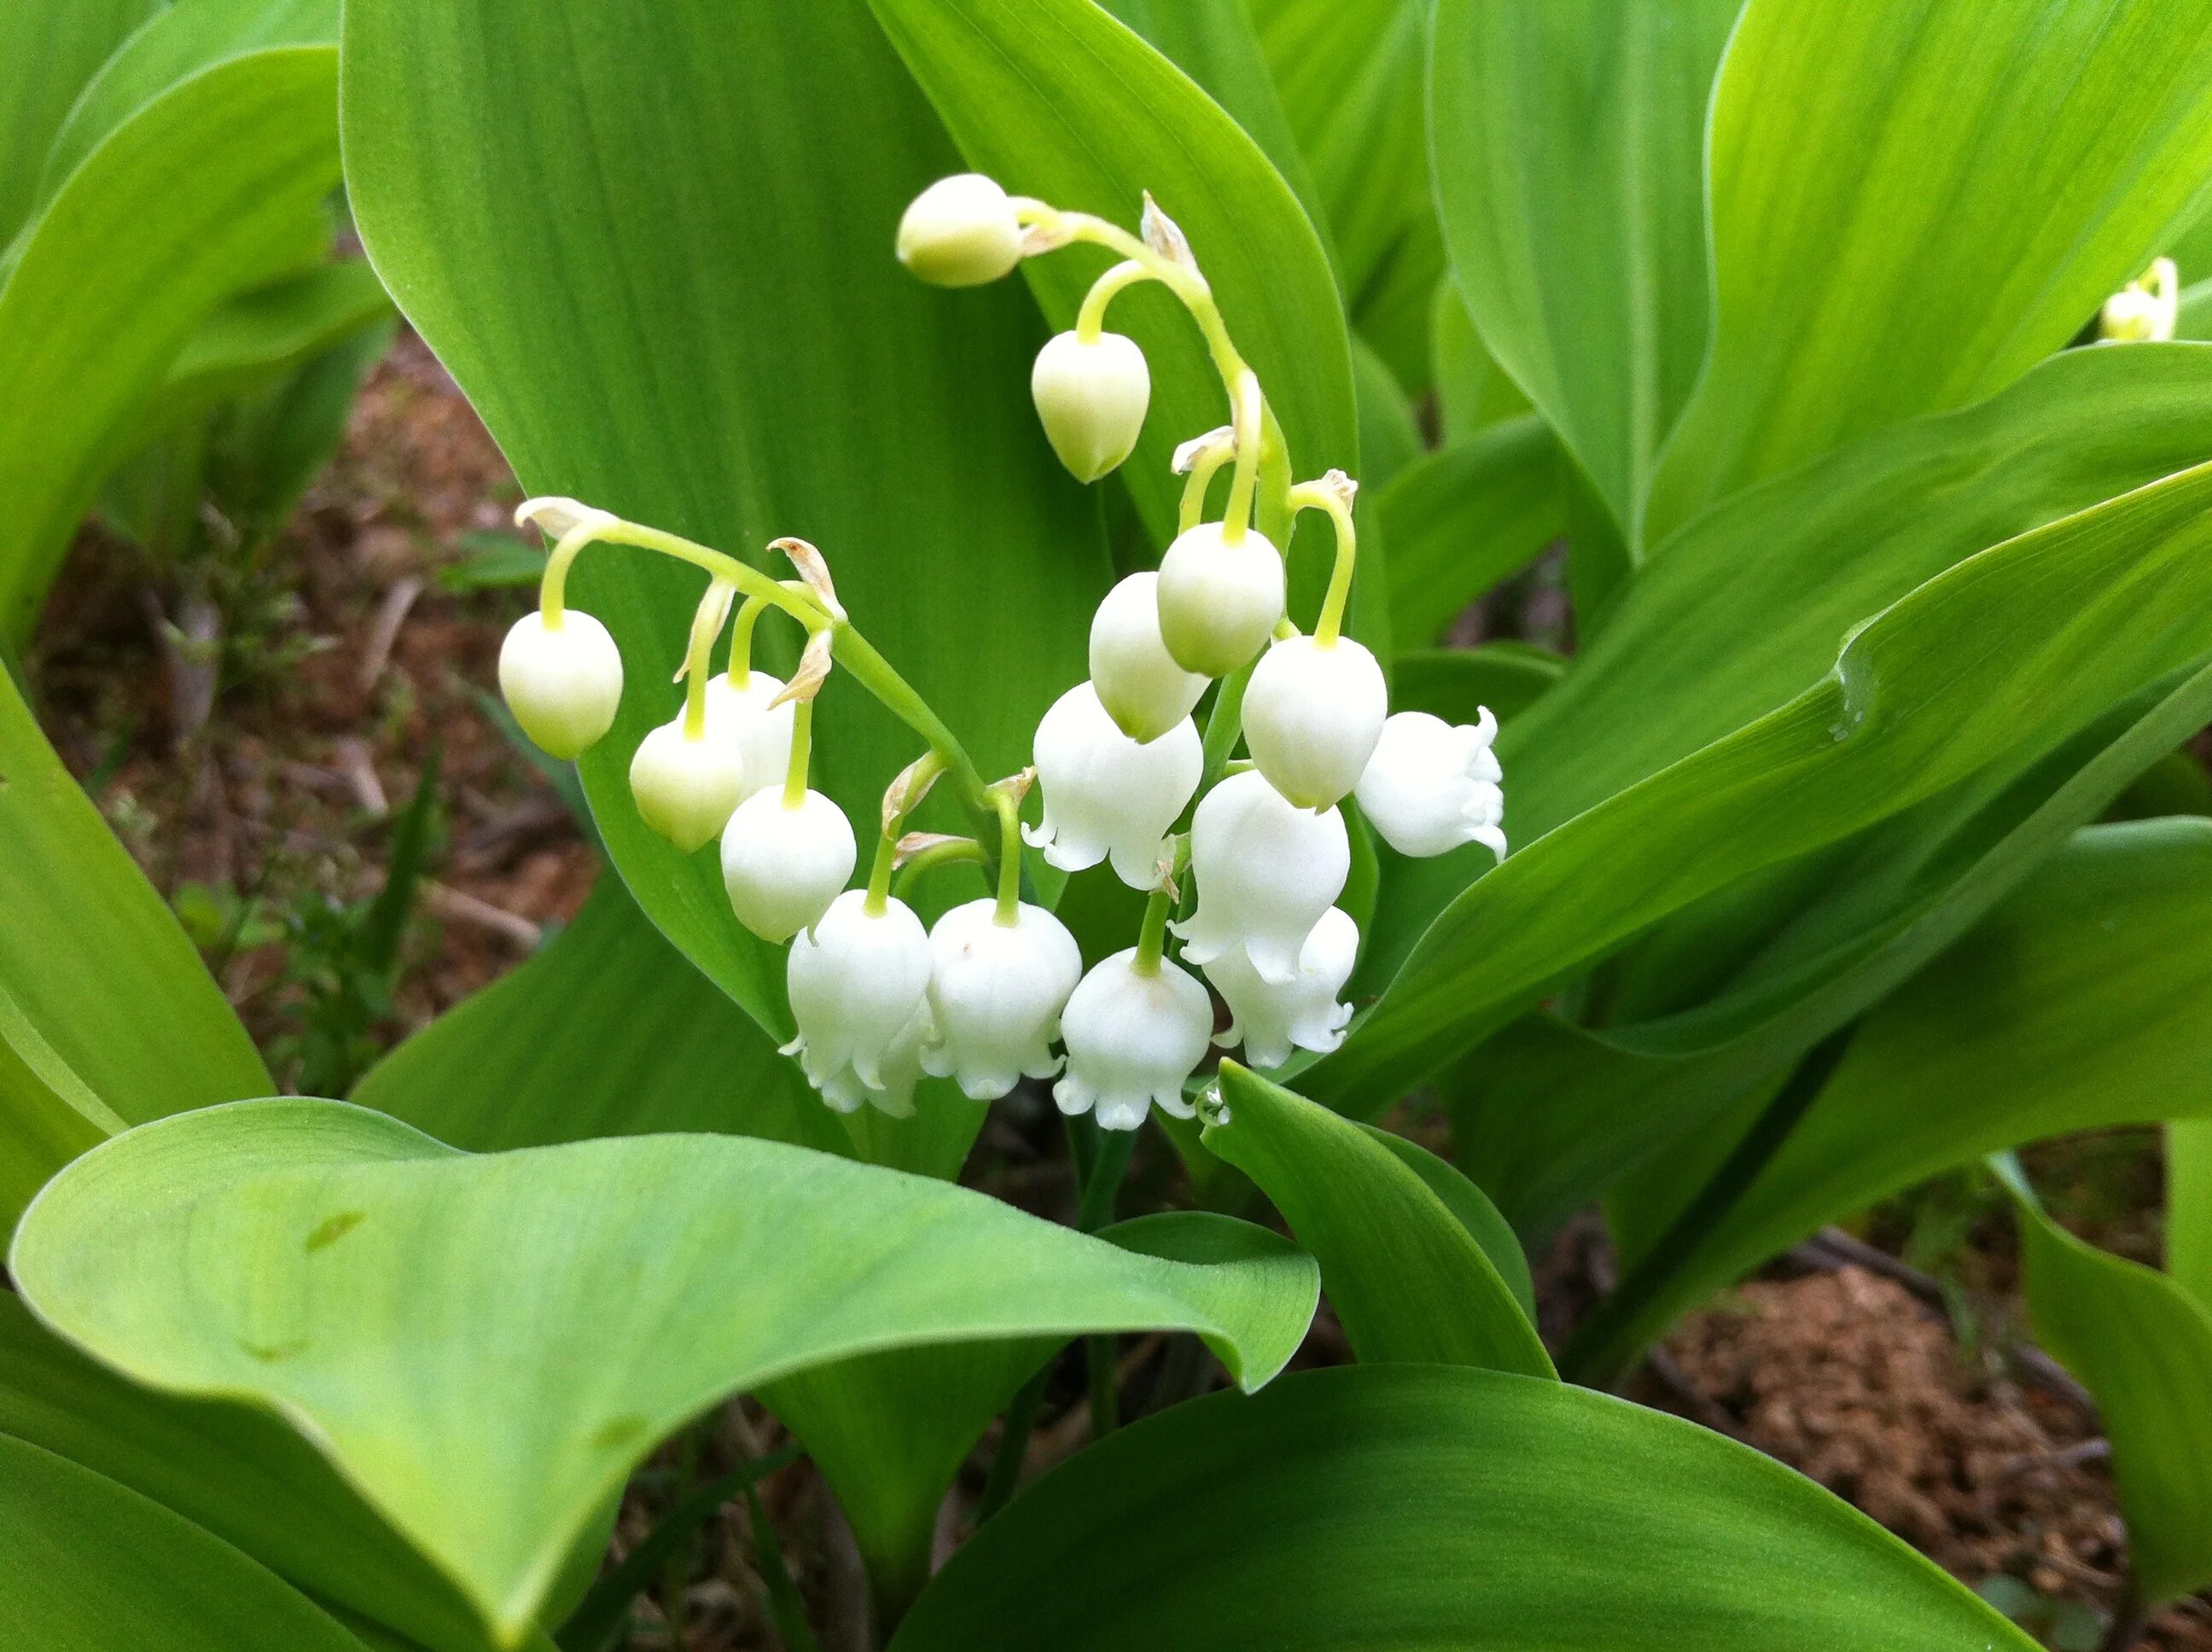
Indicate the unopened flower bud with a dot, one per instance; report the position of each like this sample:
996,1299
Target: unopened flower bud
857,982
1270,1016
1220,600
1267,871
784,864
561,681
995,994
685,787
1132,1039
1432,787
1143,689
1091,398
960,231
1313,712
1104,794
760,734
2147,310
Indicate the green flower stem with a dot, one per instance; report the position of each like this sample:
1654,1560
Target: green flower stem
741,640
953,851
699,659
1091,319
1014,1443
1009,857
802,751
1152,938
1319,495
743,575
879,874
874,673
1110,1161
1185,283
1237,515
552,590
1224,724
1203,469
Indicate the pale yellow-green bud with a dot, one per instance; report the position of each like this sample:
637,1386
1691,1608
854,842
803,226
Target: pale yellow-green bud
1220,598
1091,398
686,788
960,231
563,681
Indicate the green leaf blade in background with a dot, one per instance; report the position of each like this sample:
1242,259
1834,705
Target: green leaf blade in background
108,1015
593,219
208,185
1462,519
1912,202
430,1317
1501,1488
2189,1205
69,39
1568,152
2142,1344
1410,1277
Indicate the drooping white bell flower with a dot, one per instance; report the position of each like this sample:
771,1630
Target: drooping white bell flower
685,787
2147,310
995,994
1132,1039
1104,794
857,979
901,1069
784,864
1091,399
1313,712
1271,1016
1220,600
561,681
960,231
1266,871
1143,689
760,734
1432,787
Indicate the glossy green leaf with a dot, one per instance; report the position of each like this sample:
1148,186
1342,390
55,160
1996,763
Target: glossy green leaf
1568,145
107,1016
1411,1277
2092,608
2142,1344
341,1268
87,1565
1457,683
1439,1508
1057,99
1549,1115
2081,1002
1389,434
68,40
1912,202
2189,1205
592,219
1462,519
206,185
1473,392
237,1473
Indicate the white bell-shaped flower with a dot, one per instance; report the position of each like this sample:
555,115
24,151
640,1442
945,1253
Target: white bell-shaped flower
1132,1039
1433,785
1266,871
1091,398
760,734
1270,1016
858,980
1220,600
783,863
563,681
901,1068
1143,689
960,231
995,994
1313,712
685,787
1104,794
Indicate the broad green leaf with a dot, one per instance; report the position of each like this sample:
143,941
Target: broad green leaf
655,251
1441,1508
185,39
1456,684
1462,519
68,40
208,185
88,1565
1567,140
1548,1116
1473,392
2082,1001
107,1017
1912,202
1390,435
238,1473
1410,1275
485,1346
1057,99
2189,1205
2142,1345
2092,610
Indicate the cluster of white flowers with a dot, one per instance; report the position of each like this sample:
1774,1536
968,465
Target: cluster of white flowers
984,995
